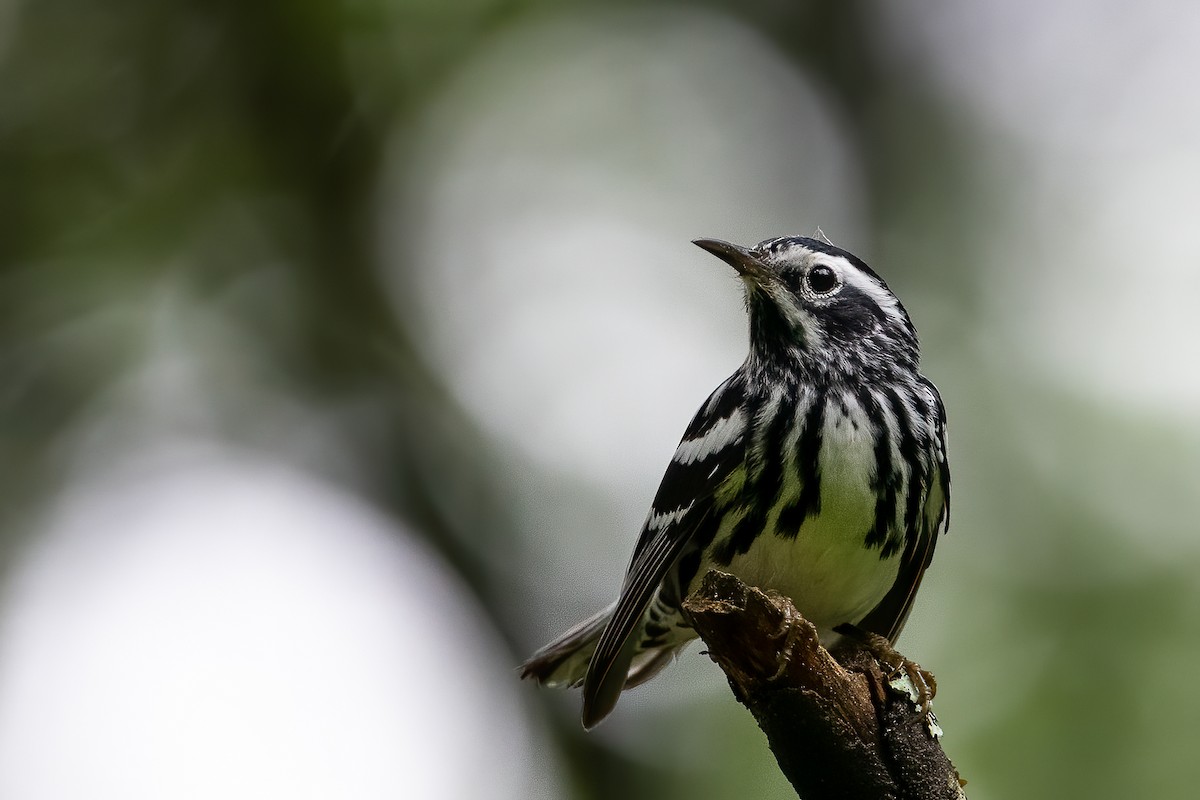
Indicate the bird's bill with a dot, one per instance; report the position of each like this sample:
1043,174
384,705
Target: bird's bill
745,261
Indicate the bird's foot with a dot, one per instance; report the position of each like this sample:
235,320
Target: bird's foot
903,674
791,629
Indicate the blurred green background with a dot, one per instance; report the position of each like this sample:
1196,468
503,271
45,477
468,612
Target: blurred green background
343,345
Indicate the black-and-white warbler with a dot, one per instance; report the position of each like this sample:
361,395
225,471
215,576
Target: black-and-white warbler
818,469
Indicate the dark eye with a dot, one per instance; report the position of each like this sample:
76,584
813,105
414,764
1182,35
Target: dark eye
822,279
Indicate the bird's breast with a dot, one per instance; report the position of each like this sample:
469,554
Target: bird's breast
814,551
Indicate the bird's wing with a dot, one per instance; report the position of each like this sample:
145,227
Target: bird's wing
889,616
712,448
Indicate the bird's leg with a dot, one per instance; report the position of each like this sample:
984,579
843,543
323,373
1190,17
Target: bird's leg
895,665
790,630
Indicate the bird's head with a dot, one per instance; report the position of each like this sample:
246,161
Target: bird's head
814,306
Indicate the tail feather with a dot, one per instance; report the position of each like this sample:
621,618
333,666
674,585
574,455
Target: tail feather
649,663
638,661
564,661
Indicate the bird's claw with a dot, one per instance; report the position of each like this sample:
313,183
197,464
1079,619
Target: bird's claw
903,674
789,631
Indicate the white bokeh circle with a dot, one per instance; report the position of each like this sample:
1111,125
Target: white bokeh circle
199,623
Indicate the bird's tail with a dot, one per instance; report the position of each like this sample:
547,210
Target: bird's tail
564,661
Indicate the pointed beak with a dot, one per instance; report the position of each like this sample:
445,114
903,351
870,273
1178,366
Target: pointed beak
740,258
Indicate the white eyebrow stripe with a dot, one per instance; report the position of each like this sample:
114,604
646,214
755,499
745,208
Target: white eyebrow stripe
852,276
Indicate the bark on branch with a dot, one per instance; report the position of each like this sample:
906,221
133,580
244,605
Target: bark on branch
835,726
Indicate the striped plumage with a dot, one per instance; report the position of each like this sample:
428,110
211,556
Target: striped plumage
818,469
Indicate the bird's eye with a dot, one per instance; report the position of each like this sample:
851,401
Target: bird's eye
822,279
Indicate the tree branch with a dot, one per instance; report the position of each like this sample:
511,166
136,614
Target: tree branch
836,727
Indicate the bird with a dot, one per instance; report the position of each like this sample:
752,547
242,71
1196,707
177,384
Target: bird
818,469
